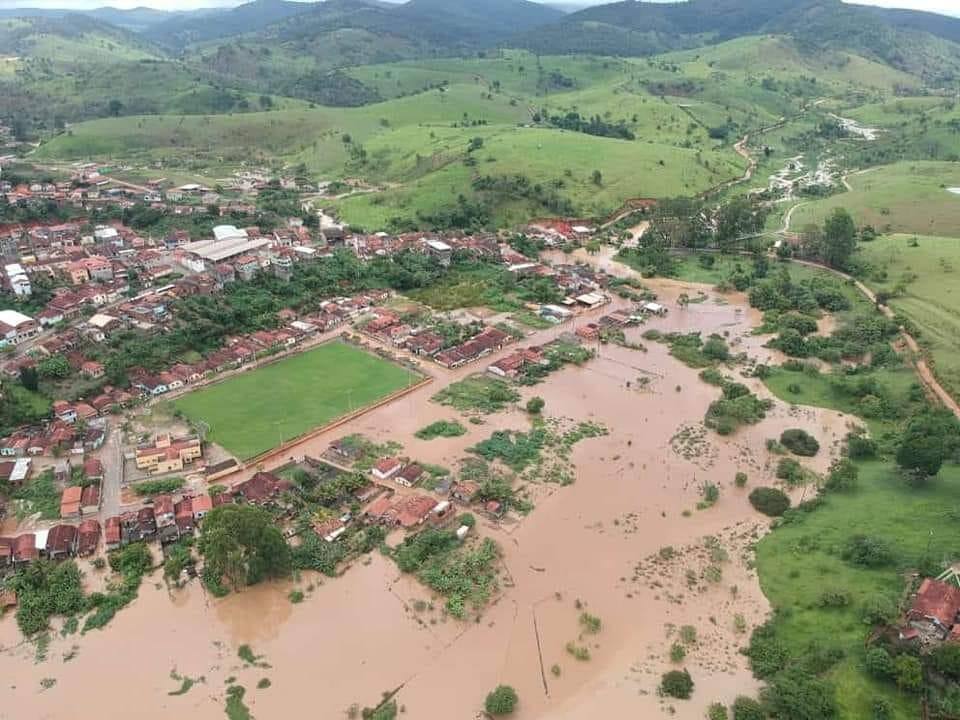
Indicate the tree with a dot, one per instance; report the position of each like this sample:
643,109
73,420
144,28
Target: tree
597,178
241,546
839,239
502,701
55,366
799,442
879,663
908,673
797,695
769,501
29,378
923,444
535,405
676,684
114,107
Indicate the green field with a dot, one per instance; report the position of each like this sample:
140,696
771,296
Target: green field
905,197
257,410
800,560
930,296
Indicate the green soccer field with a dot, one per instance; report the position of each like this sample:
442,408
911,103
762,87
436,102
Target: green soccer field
258,410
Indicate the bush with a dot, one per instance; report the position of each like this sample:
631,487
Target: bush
677,653
716,349
835,598
746,708
769,501
867,551
860,447
740,480
535,405
717,711
502,701
878,610
676,684
799,442
767,654
843,476
790,471
797,695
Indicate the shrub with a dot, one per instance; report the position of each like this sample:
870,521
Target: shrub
797,695
535,405
860,447
740,480
878,610
501,701
717,711
591,624
799,442
882,710
843,476
676,684
677,653
867,551
688,634
879,664
746,708
790,471
769,501
834,598
767,654
716,349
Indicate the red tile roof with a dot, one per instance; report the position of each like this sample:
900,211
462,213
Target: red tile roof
936,600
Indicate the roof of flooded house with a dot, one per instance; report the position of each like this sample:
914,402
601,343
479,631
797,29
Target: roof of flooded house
938,600
61,538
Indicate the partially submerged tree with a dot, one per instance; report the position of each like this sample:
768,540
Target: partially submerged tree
241,546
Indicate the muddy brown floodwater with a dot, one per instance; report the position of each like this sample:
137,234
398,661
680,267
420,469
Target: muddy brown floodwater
591,545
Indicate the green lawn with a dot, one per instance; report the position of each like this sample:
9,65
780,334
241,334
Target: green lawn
800,560
932,296
255,411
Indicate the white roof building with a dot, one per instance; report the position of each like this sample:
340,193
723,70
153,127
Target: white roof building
13,318
228,232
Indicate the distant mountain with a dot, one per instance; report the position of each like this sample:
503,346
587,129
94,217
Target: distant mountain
138,19
252,17
446,24
72,37
905,39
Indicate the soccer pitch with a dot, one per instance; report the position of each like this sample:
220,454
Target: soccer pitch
259,409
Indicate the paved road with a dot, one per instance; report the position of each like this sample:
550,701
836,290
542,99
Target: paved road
111,456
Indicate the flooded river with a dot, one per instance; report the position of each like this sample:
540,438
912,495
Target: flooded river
585,546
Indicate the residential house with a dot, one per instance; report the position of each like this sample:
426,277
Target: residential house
93,469
92,369
112,533
386,468
410,474
90,499
16,328
61,542
465,491
88,537
70,503
262,489
935,611
168,454
202,504
183,516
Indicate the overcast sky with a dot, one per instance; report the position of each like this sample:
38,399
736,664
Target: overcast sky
949,7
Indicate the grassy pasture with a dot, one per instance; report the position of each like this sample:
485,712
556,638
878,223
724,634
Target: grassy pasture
905,197
931,300
800,560
259,409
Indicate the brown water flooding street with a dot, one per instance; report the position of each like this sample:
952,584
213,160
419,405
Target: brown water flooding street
591,545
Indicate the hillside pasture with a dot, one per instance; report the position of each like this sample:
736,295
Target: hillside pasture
905,197
931,298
